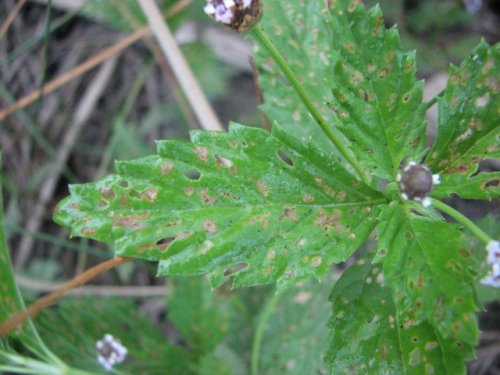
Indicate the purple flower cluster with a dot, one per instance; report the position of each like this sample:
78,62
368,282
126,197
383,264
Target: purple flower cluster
493,277
224,10
110,351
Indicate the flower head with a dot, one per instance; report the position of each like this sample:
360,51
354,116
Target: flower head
416,182
110,351
239,15
493,277
493,249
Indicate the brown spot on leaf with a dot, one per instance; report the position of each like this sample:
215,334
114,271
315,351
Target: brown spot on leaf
263,188
150,195
206,197
188,190
329,221
316,261
289,213
326,188
107,192
307,198
130,221
166,168
261,218
173,224
202,153
383,73
209,226
88,231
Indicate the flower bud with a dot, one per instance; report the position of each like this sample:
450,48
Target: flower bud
416,182
240,15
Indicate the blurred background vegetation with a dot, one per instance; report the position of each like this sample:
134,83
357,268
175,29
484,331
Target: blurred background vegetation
116,111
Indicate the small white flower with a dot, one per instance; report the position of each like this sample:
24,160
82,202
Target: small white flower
229,3
493,278
246,3
426,202
493,249
110,351
209,9
436,179
223,14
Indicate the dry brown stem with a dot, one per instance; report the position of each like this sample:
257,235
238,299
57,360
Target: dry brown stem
21,316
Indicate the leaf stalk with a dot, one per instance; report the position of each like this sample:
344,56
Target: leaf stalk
262,38
259,331
476,231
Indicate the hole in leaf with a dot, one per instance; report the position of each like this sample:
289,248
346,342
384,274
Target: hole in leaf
164,242
235,268
124,184
192,174
283,156
492,183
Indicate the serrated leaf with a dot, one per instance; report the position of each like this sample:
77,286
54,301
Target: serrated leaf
428,266
468,130
295,337
73,329
354,70
370,335
243,204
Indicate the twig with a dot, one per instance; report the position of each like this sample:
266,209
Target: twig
82,114
94,290
49,299
80,69
87,65
11,17
199,103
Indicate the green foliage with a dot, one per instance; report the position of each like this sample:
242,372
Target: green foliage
228,204
380,338
295,337
73,328
468,130
253,207
352,67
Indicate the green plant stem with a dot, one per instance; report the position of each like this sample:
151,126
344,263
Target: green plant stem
261,37
434,100
462,220
259,331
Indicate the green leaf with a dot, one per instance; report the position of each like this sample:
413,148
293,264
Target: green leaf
468,130
296,336
73,329
354,70
371,335
428,267
243,204
200,316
